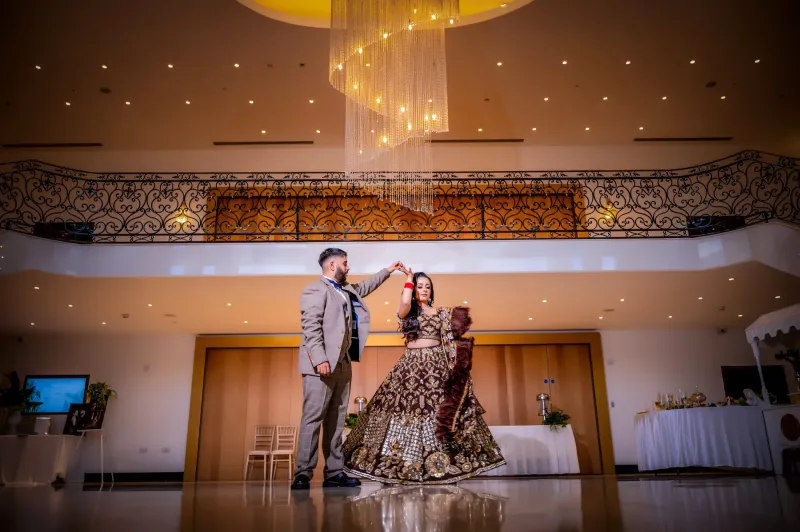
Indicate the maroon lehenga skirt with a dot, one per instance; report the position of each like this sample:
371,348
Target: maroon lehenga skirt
395,439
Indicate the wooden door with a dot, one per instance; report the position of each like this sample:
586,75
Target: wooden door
507,379
572,390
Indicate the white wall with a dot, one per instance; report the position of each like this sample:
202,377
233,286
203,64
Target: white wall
145,427
640,364
153,373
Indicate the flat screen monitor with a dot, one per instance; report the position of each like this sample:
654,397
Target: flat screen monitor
57,392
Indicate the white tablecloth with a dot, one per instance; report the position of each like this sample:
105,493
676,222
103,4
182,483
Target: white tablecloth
536,450
728,436
33,460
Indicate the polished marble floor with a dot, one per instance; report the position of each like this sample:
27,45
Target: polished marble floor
684,504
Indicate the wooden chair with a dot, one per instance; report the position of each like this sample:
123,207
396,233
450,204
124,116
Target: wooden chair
263,439
284,450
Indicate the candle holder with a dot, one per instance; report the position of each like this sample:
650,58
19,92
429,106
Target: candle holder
360,401
544,399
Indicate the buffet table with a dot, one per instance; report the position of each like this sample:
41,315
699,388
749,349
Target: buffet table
535,450
30,460
727,436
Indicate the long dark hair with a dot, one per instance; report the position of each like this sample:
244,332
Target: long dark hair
410,325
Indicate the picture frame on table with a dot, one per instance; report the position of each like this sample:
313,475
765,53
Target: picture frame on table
78,418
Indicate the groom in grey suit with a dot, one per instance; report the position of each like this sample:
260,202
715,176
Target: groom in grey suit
335,323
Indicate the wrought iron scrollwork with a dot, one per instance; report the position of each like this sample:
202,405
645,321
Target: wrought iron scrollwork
54,202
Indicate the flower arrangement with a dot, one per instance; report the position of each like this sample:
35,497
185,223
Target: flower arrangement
556,419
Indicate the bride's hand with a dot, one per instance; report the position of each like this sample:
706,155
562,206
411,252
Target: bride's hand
409,274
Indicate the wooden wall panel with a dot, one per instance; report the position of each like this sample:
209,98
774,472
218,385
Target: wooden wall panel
573,392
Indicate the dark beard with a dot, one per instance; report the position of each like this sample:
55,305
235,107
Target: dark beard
340,277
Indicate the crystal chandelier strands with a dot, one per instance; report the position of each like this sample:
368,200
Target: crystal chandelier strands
388,58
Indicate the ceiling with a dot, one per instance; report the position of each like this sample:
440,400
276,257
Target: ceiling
508,302
283,66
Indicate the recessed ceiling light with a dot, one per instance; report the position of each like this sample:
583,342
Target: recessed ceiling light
563,62
547,99
169,66
777,297
70,306
35,287
68,104
663,97
369,65
252,102
722,97
127,103
587,129
149,304
600,317
318,131
544,301
701,297
605,98
245,321
32,324
38,67
533,129
310,101
188,102
466,302
430,100
670,317
480,129
385,302
499,63
229,304
641,128
691,62
741,315
623,299
104,67
236,65
387,319
452,21
627,62
730,278
104,323
757,60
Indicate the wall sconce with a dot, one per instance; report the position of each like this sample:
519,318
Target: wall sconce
360,401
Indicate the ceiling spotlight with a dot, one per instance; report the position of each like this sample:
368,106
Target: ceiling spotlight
169,66
68,104
263,131
38,67
229,304
563,62
236,65
730,278
480,129
670,317
318,131
188,102
70,306
499,64
777,297
310,101
722,97
623,299
104,323
691,62
530,319
503,5
757,61
32,324
605,98
466,302
547,99
663,97
104,67
741,315
701,297
387,319
245,321
149,304
600,317
544,301
252,102
385,302
587,129
35,287
452,21
641,128
627,62
533,129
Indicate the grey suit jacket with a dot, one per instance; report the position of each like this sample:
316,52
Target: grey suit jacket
326,325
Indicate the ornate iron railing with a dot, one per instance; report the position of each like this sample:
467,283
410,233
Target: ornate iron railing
744,189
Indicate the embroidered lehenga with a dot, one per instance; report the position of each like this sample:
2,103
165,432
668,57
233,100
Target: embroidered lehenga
424,424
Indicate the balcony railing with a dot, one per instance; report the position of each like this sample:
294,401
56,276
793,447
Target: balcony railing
53,202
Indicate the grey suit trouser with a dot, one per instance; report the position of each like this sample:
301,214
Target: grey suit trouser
325,402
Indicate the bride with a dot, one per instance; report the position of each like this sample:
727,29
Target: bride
424,424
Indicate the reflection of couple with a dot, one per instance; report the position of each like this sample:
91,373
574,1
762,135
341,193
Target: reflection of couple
424,424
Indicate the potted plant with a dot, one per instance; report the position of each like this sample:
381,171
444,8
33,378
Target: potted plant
97,396
14,399
556,419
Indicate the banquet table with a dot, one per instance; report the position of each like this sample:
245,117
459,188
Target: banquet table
726,436
535,450
30,460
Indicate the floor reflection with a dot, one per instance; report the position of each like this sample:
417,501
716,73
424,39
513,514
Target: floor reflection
560,504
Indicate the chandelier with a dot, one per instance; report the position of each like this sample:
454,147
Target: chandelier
388,58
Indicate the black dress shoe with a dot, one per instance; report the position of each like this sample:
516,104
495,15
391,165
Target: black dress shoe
341,481
301,482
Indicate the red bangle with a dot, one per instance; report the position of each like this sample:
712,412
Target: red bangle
409,285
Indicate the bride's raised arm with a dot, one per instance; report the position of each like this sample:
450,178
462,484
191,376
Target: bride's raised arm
405,298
